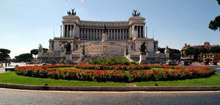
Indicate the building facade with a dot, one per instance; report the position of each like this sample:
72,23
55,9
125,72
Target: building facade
80,38
202,53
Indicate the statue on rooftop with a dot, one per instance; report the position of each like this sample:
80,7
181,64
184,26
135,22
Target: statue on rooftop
73,12
135,13
68,12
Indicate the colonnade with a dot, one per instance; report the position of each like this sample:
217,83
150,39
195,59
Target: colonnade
140,30
96,34
68,30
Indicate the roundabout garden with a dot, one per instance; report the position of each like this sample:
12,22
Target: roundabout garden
115,73
111,72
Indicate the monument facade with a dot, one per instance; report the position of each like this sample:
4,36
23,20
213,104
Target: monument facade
79,39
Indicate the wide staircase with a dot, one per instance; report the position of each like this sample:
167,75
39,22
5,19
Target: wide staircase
94,50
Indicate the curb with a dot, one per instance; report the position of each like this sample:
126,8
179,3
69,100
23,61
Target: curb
82,88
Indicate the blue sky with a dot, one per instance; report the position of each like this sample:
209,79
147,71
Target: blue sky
24,24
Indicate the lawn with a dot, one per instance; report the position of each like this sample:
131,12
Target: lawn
12,78
213,80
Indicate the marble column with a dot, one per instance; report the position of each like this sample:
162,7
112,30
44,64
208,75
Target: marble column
96,34
113,33
93,34
88,33
126,34
90,36
142,31
123,34
114,36
139,32
99,31
80,30
82,33
67,32
119,33
71,31
61,31
110,34
73,27
85,33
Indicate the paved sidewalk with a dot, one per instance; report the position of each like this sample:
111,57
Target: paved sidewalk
2,70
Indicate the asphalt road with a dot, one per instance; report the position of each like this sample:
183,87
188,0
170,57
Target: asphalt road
28,97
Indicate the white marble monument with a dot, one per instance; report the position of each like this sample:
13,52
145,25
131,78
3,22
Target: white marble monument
108,38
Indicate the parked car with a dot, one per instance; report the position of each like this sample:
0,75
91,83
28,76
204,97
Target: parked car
11,68
171,62
42,64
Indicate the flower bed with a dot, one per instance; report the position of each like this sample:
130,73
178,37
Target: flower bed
117,73
113,67
124,67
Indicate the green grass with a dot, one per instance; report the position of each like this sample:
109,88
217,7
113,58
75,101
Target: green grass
62,68
12,78
213,80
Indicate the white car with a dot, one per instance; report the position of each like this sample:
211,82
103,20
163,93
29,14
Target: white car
11,68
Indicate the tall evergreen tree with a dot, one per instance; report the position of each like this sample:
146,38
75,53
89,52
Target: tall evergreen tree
27,57
34,52
215,24
4,54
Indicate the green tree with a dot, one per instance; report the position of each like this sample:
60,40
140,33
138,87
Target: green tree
4,54
215,24
27,57
215,49
203,50
191,51
45,50
34,52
